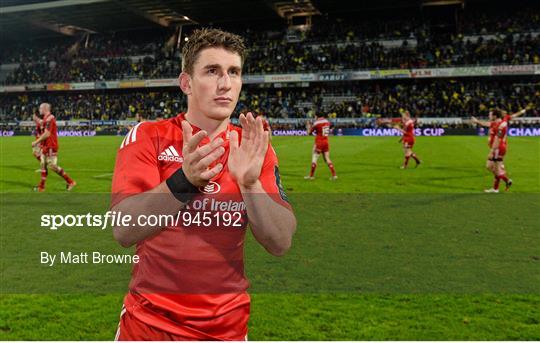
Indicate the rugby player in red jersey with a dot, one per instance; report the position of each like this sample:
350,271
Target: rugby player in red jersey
408,139
321,128
189,283
48,141
498,128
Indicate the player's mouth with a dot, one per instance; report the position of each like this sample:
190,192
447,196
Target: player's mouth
223,100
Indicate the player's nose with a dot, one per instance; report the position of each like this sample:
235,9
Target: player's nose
224,82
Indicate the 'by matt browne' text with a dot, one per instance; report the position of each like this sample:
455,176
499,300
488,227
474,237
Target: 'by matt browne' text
94,257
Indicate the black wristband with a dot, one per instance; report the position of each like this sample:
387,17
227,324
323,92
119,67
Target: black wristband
180,186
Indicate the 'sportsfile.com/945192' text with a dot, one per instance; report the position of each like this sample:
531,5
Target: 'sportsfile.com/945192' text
186,219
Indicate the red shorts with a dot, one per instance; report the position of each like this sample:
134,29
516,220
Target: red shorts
502,151
322,147
132,329
140,320
49,151
408,143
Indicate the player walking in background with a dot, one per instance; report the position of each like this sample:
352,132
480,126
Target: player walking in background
491,124
408,139
321,128
498,137
48,141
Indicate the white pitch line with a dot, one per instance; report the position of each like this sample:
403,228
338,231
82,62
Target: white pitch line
101,176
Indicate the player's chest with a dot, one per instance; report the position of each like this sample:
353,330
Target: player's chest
218,205
170,159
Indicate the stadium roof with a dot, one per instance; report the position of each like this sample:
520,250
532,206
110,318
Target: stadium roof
24,19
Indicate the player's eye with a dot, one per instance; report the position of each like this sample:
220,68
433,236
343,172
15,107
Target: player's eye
234,72
212,71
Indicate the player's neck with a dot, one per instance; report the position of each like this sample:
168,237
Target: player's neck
211,126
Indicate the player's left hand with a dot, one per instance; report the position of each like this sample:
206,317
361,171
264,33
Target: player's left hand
34,144
246,159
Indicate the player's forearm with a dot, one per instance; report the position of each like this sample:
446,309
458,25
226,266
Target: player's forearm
519,113
43,137
272,224
155,202
482,123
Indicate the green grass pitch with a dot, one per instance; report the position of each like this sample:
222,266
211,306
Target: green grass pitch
380,254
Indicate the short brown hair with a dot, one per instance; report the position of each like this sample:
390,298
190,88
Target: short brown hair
497,112
205,38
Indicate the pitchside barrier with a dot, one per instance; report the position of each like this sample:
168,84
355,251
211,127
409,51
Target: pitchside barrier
365,126
364,132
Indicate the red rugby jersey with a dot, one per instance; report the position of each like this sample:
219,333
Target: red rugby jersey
408,126
321,128
51,143
190,280
502,133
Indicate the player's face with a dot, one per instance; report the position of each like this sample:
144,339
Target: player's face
43,109
216,83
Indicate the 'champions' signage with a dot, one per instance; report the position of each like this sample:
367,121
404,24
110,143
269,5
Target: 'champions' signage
516,131
289,132
524,132
7,133
76,133
383,132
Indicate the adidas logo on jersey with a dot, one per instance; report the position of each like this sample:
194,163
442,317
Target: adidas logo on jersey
170,155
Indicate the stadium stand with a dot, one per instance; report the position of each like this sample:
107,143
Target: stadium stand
441,98
331,45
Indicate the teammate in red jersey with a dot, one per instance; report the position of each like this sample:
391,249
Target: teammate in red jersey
48,142
497,142
321,128
408,139
189,283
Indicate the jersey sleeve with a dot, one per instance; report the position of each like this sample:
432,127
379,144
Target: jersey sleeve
136,169
271,179
316,129
48,123
501,129
311,130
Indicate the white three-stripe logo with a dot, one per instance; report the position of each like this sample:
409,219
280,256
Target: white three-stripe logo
170,154
131,137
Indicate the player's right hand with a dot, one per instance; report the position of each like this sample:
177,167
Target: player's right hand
197,159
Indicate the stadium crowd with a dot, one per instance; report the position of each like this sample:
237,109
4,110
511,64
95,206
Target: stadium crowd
424,98
278,56
329,46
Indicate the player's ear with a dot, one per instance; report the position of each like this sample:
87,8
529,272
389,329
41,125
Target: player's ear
184,80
